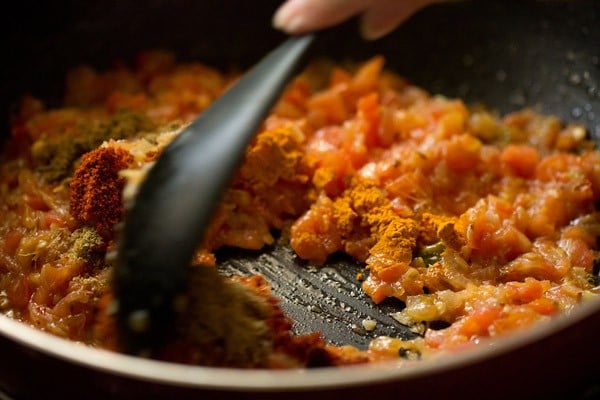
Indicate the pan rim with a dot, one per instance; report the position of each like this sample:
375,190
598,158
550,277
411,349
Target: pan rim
211,378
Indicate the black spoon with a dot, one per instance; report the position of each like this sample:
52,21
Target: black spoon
181,191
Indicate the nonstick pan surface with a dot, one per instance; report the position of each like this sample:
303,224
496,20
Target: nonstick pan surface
504,54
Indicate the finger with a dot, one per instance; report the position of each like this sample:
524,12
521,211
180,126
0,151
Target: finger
388,15
301,16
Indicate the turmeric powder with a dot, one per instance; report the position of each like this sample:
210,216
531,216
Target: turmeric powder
276,154
365,208
435,228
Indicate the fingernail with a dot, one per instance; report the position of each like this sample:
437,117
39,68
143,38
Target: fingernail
283,16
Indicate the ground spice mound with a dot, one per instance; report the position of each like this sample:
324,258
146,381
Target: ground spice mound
96,188
480,224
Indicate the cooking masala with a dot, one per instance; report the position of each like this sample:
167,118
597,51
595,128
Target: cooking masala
479,223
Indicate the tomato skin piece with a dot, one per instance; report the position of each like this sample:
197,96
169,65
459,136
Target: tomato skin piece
478,322
314,236
330,105
526,292
35,202
369,119
366,78
462,153
392,273
520,160
11,241
52,218
544,306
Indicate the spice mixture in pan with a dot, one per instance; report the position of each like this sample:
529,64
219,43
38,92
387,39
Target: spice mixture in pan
480,223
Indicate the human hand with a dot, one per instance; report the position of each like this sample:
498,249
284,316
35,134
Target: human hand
378,17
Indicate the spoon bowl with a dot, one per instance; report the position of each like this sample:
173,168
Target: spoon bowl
175,203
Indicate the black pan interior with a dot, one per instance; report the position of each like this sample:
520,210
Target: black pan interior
504,54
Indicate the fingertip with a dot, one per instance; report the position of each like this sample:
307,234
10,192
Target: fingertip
372,32
288,17
289,25
379,21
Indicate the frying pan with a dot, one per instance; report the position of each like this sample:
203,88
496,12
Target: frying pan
505,54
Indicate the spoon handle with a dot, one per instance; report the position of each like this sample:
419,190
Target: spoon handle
176,201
